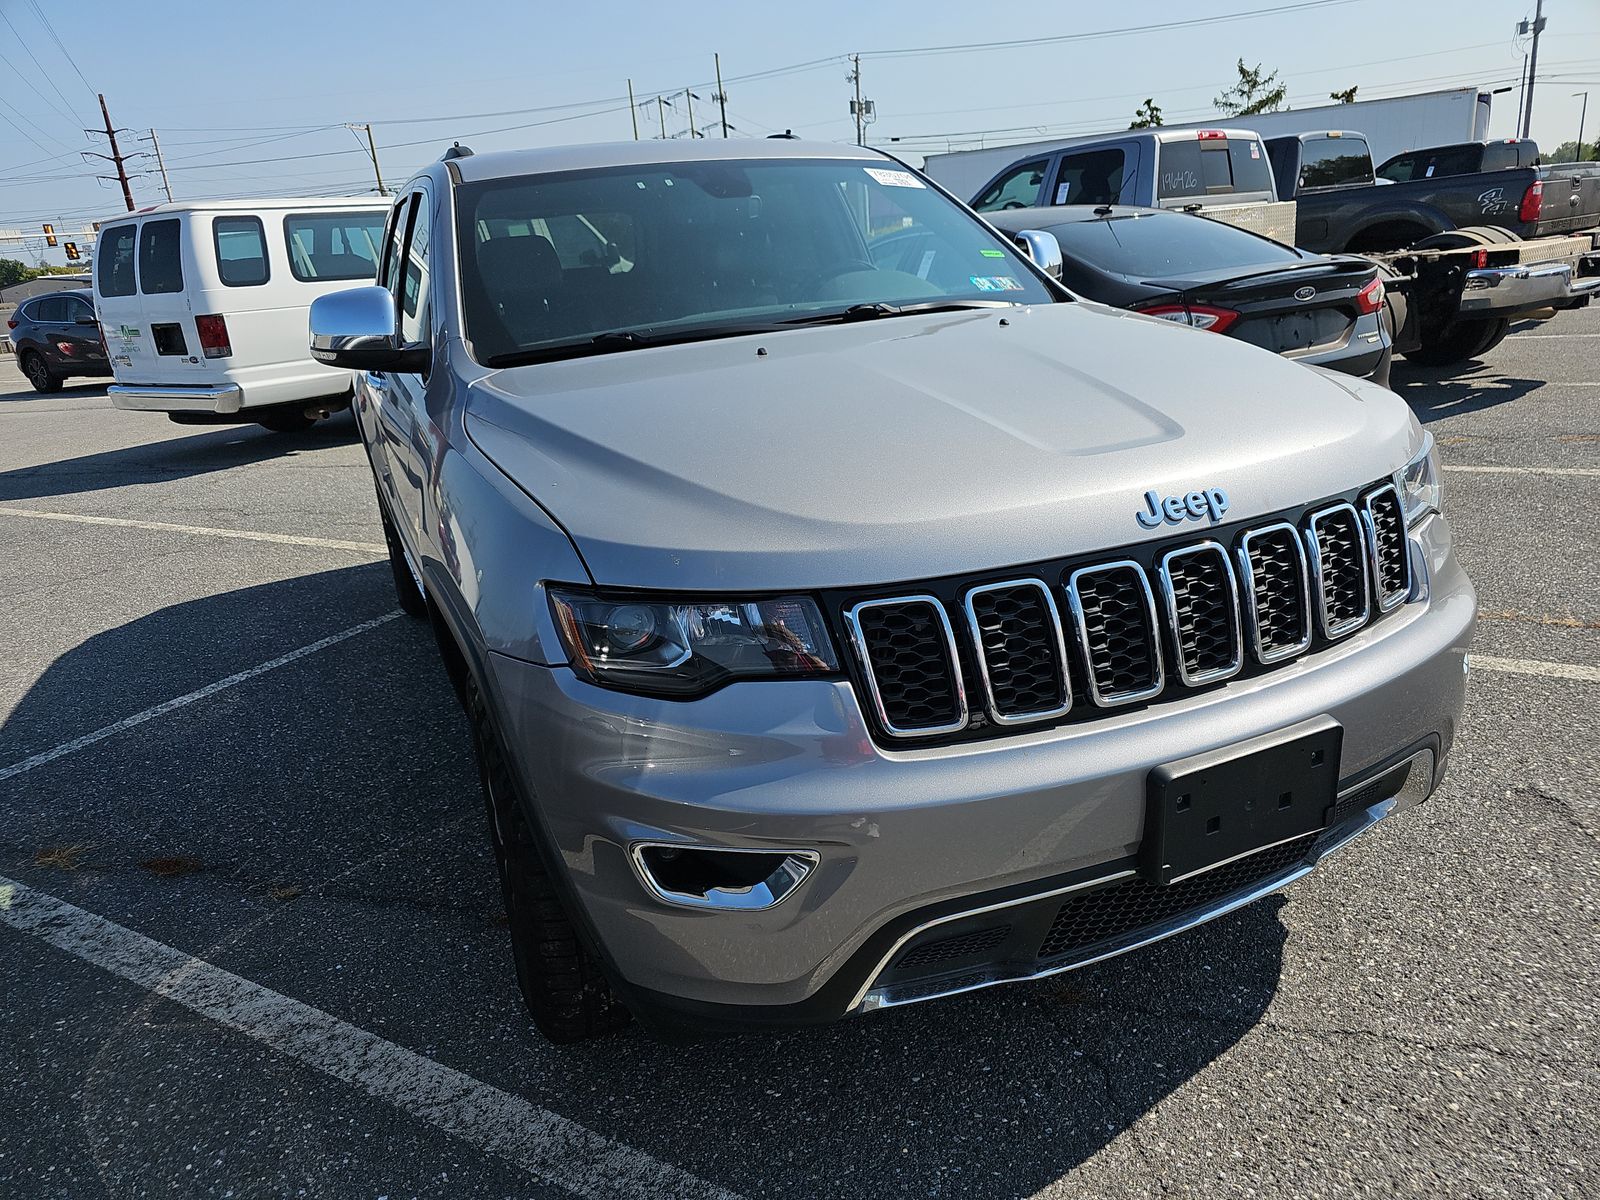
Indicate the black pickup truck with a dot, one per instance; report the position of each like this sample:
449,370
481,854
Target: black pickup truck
1466,253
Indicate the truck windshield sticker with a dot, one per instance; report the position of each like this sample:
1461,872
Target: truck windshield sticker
996,283
894,178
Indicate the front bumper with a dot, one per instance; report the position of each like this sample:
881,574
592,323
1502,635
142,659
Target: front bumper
227,398
908,836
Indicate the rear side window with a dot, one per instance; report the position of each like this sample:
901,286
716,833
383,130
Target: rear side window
52,310
114,260
160,262
241,251
1092,177
1334,162
1248,161
1017,188
339,245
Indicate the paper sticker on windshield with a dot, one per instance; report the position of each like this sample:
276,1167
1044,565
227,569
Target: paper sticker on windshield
894,178
995,283
1061,192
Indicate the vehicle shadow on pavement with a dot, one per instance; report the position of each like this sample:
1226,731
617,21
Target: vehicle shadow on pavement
217,449
329,815
1437,393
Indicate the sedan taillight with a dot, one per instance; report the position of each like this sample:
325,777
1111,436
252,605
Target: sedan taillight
1370,298
1200,316
213,331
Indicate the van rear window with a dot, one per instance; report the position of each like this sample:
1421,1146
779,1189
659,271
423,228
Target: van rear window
241,251
160,262
113,260
340,245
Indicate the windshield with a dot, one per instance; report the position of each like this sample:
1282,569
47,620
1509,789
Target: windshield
1166,246
556,259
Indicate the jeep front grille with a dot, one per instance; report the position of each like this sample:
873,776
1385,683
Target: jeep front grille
1225,608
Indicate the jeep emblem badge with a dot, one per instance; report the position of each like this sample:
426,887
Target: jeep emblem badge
1304,293
1174,510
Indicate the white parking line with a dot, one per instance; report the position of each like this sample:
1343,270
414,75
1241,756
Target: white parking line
248,535
1530,666
1520,336
211,689
1524,470
556,1149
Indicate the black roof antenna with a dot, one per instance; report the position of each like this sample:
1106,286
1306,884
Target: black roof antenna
457,150
787,133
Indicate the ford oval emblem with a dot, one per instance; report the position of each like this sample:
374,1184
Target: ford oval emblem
1304,293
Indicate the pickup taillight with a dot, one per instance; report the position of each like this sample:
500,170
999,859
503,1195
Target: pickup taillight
213,331
1370,298
1532,202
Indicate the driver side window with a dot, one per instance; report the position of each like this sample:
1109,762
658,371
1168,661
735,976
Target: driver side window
1017,188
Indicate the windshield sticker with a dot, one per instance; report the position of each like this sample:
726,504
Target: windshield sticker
894,178
992,253
1061,193
995,283
926,264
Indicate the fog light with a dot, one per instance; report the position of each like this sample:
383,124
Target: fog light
703,877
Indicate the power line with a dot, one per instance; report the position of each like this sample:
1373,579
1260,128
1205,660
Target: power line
47,77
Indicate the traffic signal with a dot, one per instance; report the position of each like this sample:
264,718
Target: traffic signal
72,250
49,235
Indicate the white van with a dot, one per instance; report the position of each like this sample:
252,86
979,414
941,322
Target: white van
204,305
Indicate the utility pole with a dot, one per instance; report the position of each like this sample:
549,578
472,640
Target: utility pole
372,149
1533,62
661,113
166,186
116,157
722,96
688,99
633,111
1583,115
864,111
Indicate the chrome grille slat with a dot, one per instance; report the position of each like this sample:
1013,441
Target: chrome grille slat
1115,614
1337,552
1385,528
1275,583
1021,652
907,652
1202,600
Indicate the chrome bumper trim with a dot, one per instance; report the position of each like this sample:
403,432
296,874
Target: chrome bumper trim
1418,785
229,398
1505,289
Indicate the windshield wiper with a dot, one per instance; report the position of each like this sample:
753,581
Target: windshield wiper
877,309
614,341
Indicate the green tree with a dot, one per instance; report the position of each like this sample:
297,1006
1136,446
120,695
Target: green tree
1253,93
13,272
1348,96
1568,152
1147,116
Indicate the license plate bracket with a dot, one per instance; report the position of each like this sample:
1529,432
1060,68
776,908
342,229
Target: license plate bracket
1211,808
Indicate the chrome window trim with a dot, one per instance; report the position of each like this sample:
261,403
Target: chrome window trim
1059,642
755,898
1248,588
1344,628
1075,603
1369,529
858,642
1170,596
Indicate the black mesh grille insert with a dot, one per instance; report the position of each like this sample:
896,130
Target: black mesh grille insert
1381,788
960,946
1278,592
1021,649
1204,616
1088,918
1344,575
1389,545
1118,636
909,657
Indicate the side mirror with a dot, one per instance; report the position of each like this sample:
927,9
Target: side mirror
1043,249
86,319
356,329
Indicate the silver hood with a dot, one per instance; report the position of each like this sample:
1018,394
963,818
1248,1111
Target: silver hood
912,447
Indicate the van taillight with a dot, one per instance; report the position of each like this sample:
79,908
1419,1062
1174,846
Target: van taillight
1532,202
213,331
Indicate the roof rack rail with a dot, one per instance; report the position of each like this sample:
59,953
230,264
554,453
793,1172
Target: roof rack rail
788,134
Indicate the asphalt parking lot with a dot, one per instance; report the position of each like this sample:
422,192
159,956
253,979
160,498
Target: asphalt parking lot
252,940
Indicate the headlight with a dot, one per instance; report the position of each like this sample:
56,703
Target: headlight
1418,483
673,647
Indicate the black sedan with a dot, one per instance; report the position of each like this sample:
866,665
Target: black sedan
1324,309
57,337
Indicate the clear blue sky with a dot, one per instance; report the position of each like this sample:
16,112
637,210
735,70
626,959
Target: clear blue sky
238,92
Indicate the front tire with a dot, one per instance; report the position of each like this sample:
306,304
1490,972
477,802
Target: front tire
562,984
39,374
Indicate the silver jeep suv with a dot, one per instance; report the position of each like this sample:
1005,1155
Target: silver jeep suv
849,616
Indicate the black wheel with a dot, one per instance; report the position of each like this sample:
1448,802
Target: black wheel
285,420
1459,341
562,984
407,587
39,373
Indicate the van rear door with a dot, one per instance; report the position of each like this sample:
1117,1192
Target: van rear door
166,261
